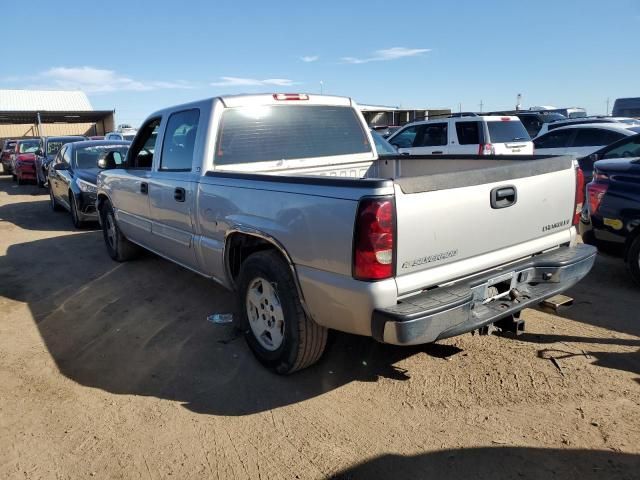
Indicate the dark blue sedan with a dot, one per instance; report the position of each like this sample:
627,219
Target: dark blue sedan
73,174
612,216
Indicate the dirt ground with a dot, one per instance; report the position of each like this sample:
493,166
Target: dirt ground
111,371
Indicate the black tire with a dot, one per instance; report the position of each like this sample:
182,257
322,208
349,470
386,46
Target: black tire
633,260
53,203
74,211
118,247
303,341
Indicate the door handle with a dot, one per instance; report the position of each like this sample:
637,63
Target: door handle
503,197
179,194
439,152
144,188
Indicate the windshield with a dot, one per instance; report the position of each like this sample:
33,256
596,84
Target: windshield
634,129
10,146
268,133
500,132
87,157
55,144
129,137
382,146
29,146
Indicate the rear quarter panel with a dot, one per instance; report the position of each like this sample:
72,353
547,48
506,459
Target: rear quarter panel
314,224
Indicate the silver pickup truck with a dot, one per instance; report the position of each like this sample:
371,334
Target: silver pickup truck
283,199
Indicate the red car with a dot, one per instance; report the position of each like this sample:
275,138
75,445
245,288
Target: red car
5,157
24,160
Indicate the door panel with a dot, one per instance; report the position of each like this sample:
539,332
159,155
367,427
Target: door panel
172,225
132,204
171,189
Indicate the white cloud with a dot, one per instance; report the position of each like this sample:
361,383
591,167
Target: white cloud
309,58
251,82
96,80
387,54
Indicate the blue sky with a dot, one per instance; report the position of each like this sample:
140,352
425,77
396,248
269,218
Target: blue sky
140,56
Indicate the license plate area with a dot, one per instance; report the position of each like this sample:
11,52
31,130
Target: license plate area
498,287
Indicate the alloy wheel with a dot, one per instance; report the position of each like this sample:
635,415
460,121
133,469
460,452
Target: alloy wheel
265,314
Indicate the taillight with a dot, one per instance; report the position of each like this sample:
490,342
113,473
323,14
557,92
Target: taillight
596,192
579,196
486,149
374,239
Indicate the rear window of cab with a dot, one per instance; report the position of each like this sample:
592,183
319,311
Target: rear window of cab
272,133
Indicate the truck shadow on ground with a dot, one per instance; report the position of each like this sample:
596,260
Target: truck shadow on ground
499,463
140,328
606,298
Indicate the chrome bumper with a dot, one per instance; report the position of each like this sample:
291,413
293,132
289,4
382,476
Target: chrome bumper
463,307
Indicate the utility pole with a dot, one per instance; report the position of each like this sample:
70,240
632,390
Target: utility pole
518,102
460,107
321,86
607,110
481,104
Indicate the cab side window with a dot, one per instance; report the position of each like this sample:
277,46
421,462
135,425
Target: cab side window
179,141
142,150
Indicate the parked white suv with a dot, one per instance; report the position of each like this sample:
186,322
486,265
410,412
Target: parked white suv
464,134
581,140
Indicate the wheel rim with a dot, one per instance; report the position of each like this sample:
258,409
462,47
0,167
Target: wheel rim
265,314
111,231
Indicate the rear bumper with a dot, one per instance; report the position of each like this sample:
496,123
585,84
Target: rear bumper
450,311
26,171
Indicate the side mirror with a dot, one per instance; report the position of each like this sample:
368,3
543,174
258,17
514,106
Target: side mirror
39,152
61,166
110,161
594,157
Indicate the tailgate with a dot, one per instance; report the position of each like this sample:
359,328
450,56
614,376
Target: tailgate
451,217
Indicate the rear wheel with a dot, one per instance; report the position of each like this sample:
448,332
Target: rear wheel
118,247
633,259
277,330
